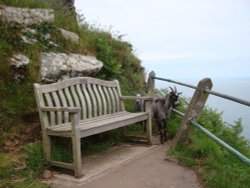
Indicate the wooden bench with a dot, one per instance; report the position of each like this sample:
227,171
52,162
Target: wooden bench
80,107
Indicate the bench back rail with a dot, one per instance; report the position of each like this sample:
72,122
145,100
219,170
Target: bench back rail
93,96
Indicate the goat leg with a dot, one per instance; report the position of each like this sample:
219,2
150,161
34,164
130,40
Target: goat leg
162,132
165,129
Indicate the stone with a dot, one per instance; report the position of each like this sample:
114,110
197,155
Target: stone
47,174
28,40
26,16
58,66
70,35
19,64
19,60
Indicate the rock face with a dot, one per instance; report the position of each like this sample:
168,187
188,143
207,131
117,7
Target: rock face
70,35
19,64
26,16
58,66
54,66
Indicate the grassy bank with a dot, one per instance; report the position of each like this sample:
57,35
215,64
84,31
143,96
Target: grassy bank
21,159
216,167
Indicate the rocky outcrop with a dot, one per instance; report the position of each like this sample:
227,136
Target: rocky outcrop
19,64
58,66
70,35
53,66
26,16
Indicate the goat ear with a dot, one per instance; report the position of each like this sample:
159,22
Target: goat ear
180,93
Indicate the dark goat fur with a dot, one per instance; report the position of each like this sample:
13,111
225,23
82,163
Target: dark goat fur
161,110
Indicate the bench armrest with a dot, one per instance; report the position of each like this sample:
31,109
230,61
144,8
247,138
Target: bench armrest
136,98
74,113
61,109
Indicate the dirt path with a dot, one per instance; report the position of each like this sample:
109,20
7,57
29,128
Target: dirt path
150,170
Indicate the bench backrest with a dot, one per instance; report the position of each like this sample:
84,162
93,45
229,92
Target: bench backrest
95,97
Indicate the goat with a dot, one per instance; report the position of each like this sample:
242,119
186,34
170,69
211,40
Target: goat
161,109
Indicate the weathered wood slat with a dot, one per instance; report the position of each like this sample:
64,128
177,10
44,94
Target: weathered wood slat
68,97
74,81
99,102
82,100
64,126
103,99
40,100
62,165
57,104
117,100
50,104
108,99
64,104
118,90
89,102
101,122
92,96
75,98
111,94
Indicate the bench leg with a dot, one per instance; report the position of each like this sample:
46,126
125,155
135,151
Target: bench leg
77,162
149,131
47,146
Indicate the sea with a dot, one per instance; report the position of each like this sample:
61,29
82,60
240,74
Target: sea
231,111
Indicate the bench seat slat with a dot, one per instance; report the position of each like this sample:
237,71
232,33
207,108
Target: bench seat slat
61,126
99,124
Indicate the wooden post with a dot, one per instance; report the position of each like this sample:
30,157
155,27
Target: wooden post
194,110
151,83
76,145
149,121
148,104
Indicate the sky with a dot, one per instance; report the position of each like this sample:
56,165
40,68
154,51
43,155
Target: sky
180,39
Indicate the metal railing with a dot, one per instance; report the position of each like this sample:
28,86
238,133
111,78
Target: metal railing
206,90
195,123
216,139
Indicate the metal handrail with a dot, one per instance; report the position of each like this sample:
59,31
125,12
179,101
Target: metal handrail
231,98
173,81
206,90
229,148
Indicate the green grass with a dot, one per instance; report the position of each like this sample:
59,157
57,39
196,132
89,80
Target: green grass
216,166
11,176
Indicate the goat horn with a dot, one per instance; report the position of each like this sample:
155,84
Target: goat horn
171,89
175,89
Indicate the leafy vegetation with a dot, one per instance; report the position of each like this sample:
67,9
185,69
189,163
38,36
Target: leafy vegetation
15,173
216,166
19,124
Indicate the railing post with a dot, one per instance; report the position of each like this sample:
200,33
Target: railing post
194,110
151,83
